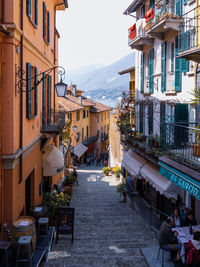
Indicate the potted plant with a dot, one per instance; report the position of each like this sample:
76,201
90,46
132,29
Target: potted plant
117,171
106,170
196,146
121,189
53,201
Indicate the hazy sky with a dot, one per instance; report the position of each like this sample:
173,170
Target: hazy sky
93,32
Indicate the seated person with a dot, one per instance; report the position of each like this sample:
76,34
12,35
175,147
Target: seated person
178,221
168,239
190,220
193,249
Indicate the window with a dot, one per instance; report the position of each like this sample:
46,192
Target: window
82,133
46,24
31,91
143,11
172,57
78,137
87,113
97,118
46,99
83,114
32,10
78,115
87,131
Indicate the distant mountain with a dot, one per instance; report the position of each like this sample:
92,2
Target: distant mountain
103,83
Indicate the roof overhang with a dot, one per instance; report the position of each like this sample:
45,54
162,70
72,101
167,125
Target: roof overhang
133,6
126,70
191,54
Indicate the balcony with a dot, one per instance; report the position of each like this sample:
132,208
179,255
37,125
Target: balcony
162,18
189,42
137,37
53,122
182,143
91,139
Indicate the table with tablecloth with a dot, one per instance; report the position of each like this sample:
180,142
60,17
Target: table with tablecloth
184,236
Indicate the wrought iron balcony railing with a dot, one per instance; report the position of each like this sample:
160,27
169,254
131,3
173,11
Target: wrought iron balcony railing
189,35
53,121
104,137
91,139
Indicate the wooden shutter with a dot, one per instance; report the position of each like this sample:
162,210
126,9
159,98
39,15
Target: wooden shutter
181,118
163,66
48,27
141,117
44,99
151,78
36,92
142,74
44,21
28,90
179,7
36,12
185,45
178,73
150,117
49,88
162,124
29,7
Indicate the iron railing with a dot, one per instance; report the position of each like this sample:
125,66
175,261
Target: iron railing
182,141
53,121
189,30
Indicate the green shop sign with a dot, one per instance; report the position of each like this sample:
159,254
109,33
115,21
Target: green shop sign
182,180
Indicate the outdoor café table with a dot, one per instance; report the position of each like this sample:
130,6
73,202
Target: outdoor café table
184,236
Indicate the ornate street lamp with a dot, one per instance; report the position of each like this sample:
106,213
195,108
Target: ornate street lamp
61,88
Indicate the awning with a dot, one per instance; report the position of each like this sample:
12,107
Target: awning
80,149
182,180
132,162
52,160
159,182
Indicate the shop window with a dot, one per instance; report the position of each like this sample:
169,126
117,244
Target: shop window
31,91
32,10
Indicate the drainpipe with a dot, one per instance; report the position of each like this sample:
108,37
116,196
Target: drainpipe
21,93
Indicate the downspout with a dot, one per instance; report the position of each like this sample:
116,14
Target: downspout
21,93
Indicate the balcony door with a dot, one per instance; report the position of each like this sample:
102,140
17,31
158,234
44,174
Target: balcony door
181,118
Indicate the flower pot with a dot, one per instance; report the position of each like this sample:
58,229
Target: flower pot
106,173
196,150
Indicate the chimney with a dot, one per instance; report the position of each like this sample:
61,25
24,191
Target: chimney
80,100
73,89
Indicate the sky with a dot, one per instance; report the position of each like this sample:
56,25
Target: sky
93,32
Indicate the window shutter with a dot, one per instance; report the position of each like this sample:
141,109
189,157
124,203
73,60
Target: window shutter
163,66
179,7
36,91
162,124
28,90
185,46
49,99
44,99
48,27
36,12
150,117
141,117
178,73
44,21
142,74
28,7
151,62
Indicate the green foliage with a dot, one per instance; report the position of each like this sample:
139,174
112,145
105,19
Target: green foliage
121,188
53,201
117,171
196,97
196,130
105,170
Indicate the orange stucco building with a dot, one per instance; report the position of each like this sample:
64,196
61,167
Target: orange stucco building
28,46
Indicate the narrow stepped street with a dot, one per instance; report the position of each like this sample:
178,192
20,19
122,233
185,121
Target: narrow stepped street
107,232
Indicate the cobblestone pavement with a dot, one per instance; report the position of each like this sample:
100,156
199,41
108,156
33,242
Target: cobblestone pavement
107,232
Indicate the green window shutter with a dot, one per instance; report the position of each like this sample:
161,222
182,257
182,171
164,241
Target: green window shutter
178,73
48,27
36,92
162,124
185,46
179,7
142,73
141,117
49,88
151,78
185,2
44,99
28,90
29,8
36,12
44,21
150,118
163,66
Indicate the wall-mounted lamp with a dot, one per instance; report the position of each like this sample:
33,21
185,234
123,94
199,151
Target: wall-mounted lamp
61,87
75,128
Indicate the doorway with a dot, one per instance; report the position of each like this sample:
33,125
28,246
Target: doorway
29,192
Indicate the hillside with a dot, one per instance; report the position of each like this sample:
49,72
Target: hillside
103,83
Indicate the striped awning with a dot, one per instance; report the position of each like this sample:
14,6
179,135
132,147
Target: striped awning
79,150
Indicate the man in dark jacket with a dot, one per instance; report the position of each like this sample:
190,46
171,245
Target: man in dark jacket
168,239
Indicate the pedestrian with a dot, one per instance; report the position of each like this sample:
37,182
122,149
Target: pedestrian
75,174
55,189
98,162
